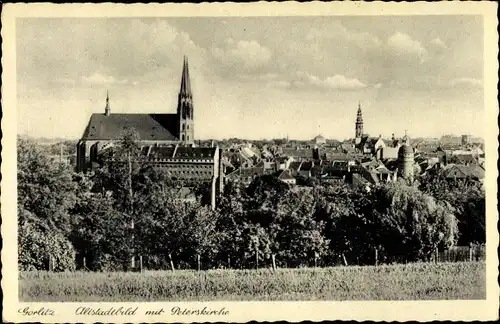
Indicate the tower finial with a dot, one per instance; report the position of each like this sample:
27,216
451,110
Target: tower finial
107,110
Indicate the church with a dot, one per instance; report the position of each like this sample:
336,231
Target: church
167,140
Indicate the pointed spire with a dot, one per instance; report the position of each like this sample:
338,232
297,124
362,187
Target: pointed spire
359,123
359,117
185,81
107,110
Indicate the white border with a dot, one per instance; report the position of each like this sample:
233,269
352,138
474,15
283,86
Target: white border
246,311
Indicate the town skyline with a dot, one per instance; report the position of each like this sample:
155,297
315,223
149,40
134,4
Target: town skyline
408,73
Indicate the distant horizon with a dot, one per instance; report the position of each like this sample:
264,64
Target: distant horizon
268,139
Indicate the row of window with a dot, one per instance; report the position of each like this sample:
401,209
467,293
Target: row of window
190,165
192,173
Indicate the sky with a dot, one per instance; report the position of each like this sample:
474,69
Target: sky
256,77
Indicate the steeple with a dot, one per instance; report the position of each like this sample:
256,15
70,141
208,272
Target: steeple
359,117
359,122
185,107
185,81
107,110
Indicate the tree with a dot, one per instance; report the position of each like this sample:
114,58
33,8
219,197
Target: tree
412,224
39,244
46,194
299,235
45,187
347,214
467,197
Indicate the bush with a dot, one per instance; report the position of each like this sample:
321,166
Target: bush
36,244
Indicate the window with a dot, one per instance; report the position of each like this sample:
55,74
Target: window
188,137
183,137
187,127
184,127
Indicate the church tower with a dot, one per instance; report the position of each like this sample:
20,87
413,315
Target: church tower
359,125
406,160
185,108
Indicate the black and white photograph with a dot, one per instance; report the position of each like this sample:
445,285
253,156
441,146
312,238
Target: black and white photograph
201,159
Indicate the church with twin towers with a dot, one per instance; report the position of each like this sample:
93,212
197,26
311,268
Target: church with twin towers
167,140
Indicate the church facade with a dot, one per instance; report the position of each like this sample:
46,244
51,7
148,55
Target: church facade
167,140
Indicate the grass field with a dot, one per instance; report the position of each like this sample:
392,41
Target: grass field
424,281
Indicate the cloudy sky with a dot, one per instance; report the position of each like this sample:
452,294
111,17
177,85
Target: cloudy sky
256,77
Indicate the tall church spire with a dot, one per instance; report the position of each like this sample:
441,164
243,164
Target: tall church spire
185,81
107,110
185,107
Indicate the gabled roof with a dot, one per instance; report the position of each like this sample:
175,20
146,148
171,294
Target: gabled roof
247,172
159,127
306,166
285,175
338,157
465,158
465,171
303,153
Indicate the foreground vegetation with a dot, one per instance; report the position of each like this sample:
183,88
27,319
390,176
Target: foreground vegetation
104,219
418,281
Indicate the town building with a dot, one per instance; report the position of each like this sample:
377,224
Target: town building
319,140
466,140
162,129
166,141
464,172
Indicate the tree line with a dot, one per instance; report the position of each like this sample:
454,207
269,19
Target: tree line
125,209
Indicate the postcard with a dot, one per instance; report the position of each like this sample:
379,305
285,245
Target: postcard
224,162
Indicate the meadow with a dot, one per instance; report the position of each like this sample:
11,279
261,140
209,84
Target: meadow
417,281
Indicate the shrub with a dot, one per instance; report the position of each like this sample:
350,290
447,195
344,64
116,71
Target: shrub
37,243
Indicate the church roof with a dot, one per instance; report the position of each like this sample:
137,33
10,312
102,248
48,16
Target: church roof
148,126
